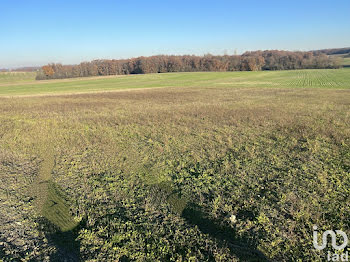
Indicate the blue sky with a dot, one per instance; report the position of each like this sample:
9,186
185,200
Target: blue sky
37,32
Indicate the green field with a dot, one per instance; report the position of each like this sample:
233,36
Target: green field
279,79
227,166
16,77
346,61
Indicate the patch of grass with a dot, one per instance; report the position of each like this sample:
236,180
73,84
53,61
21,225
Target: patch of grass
51,202
56,209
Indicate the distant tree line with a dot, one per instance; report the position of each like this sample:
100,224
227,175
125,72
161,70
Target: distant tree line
249,61
334,51
21,69
26,69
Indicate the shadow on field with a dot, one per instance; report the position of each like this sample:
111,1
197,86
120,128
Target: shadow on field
244,249
66,243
